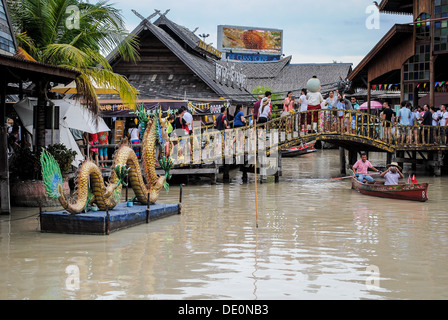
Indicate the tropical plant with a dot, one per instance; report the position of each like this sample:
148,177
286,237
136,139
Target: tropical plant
276,98
63,156
75,35
25,164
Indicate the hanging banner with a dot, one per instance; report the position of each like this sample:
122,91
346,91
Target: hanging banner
201,109
120,110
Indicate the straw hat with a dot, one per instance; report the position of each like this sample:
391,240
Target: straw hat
265,102
394,164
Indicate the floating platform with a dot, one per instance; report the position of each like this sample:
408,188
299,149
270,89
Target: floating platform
102,222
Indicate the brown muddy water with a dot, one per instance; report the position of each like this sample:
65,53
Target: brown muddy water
315,240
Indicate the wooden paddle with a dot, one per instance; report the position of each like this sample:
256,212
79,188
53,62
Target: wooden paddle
347,177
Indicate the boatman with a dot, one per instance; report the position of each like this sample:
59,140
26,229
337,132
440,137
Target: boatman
361,167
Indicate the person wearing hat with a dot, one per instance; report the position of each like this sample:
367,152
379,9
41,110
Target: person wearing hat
265,108
392,174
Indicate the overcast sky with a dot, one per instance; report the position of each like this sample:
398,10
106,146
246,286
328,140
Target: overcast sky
315,31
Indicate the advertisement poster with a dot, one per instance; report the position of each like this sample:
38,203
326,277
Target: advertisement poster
245,39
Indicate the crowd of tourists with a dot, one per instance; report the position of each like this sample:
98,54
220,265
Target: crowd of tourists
404,126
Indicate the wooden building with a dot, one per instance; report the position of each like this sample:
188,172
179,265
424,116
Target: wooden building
411,56
16,71
176,64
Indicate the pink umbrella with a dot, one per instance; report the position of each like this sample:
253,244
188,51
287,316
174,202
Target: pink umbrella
373,105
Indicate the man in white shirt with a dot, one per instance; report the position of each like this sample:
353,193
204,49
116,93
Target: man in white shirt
189,119
315,100
415,119
443,124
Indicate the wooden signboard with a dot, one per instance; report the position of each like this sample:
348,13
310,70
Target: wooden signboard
119,131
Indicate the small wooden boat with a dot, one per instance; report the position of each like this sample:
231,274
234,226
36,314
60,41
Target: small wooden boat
299,150
413,192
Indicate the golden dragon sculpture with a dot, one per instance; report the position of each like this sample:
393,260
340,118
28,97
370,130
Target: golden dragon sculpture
125,163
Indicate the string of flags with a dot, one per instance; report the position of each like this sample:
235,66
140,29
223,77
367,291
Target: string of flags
396,86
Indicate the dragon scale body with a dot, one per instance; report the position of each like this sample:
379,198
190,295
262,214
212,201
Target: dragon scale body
108,195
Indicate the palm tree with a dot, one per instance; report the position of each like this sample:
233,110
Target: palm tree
76,35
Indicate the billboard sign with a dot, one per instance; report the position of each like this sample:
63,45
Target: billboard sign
249,40
252,57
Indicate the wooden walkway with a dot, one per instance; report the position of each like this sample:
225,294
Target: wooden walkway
207,152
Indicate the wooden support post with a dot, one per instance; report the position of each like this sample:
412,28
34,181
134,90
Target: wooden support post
148,205
414,164
438,162
389,157
226,173
342,161
127,187
244,171
352,157
278,172
400,154
107,231
369,97
5,202
180,200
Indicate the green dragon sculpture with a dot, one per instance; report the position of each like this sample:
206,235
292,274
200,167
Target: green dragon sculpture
108,195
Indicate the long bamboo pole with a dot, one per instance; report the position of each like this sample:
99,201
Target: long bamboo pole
255,170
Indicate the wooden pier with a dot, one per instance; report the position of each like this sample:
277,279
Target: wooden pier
105,222
357,132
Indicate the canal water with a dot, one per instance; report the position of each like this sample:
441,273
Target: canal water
315,239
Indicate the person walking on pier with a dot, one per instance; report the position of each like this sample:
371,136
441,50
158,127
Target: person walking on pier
288,103
426,122
443,125
265,109
239,120
303,102
257,107
405,120
388,119
340,119
331,118
315,100
103,138
415,120
435,125
361,168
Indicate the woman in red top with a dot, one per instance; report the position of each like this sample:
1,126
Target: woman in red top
93,152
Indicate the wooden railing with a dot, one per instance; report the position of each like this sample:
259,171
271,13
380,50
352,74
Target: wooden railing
297,127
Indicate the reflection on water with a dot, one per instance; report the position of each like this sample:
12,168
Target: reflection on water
316,240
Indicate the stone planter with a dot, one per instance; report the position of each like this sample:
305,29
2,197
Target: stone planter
31,193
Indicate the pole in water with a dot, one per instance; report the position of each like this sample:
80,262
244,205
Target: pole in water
180,200
255,170
147,208
127,184
107,221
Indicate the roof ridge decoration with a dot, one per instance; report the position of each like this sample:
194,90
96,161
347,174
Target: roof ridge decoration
205,73
191,39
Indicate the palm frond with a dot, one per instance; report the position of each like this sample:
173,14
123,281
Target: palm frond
61,53
107,78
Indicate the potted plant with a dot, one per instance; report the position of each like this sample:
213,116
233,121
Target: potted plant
27,188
